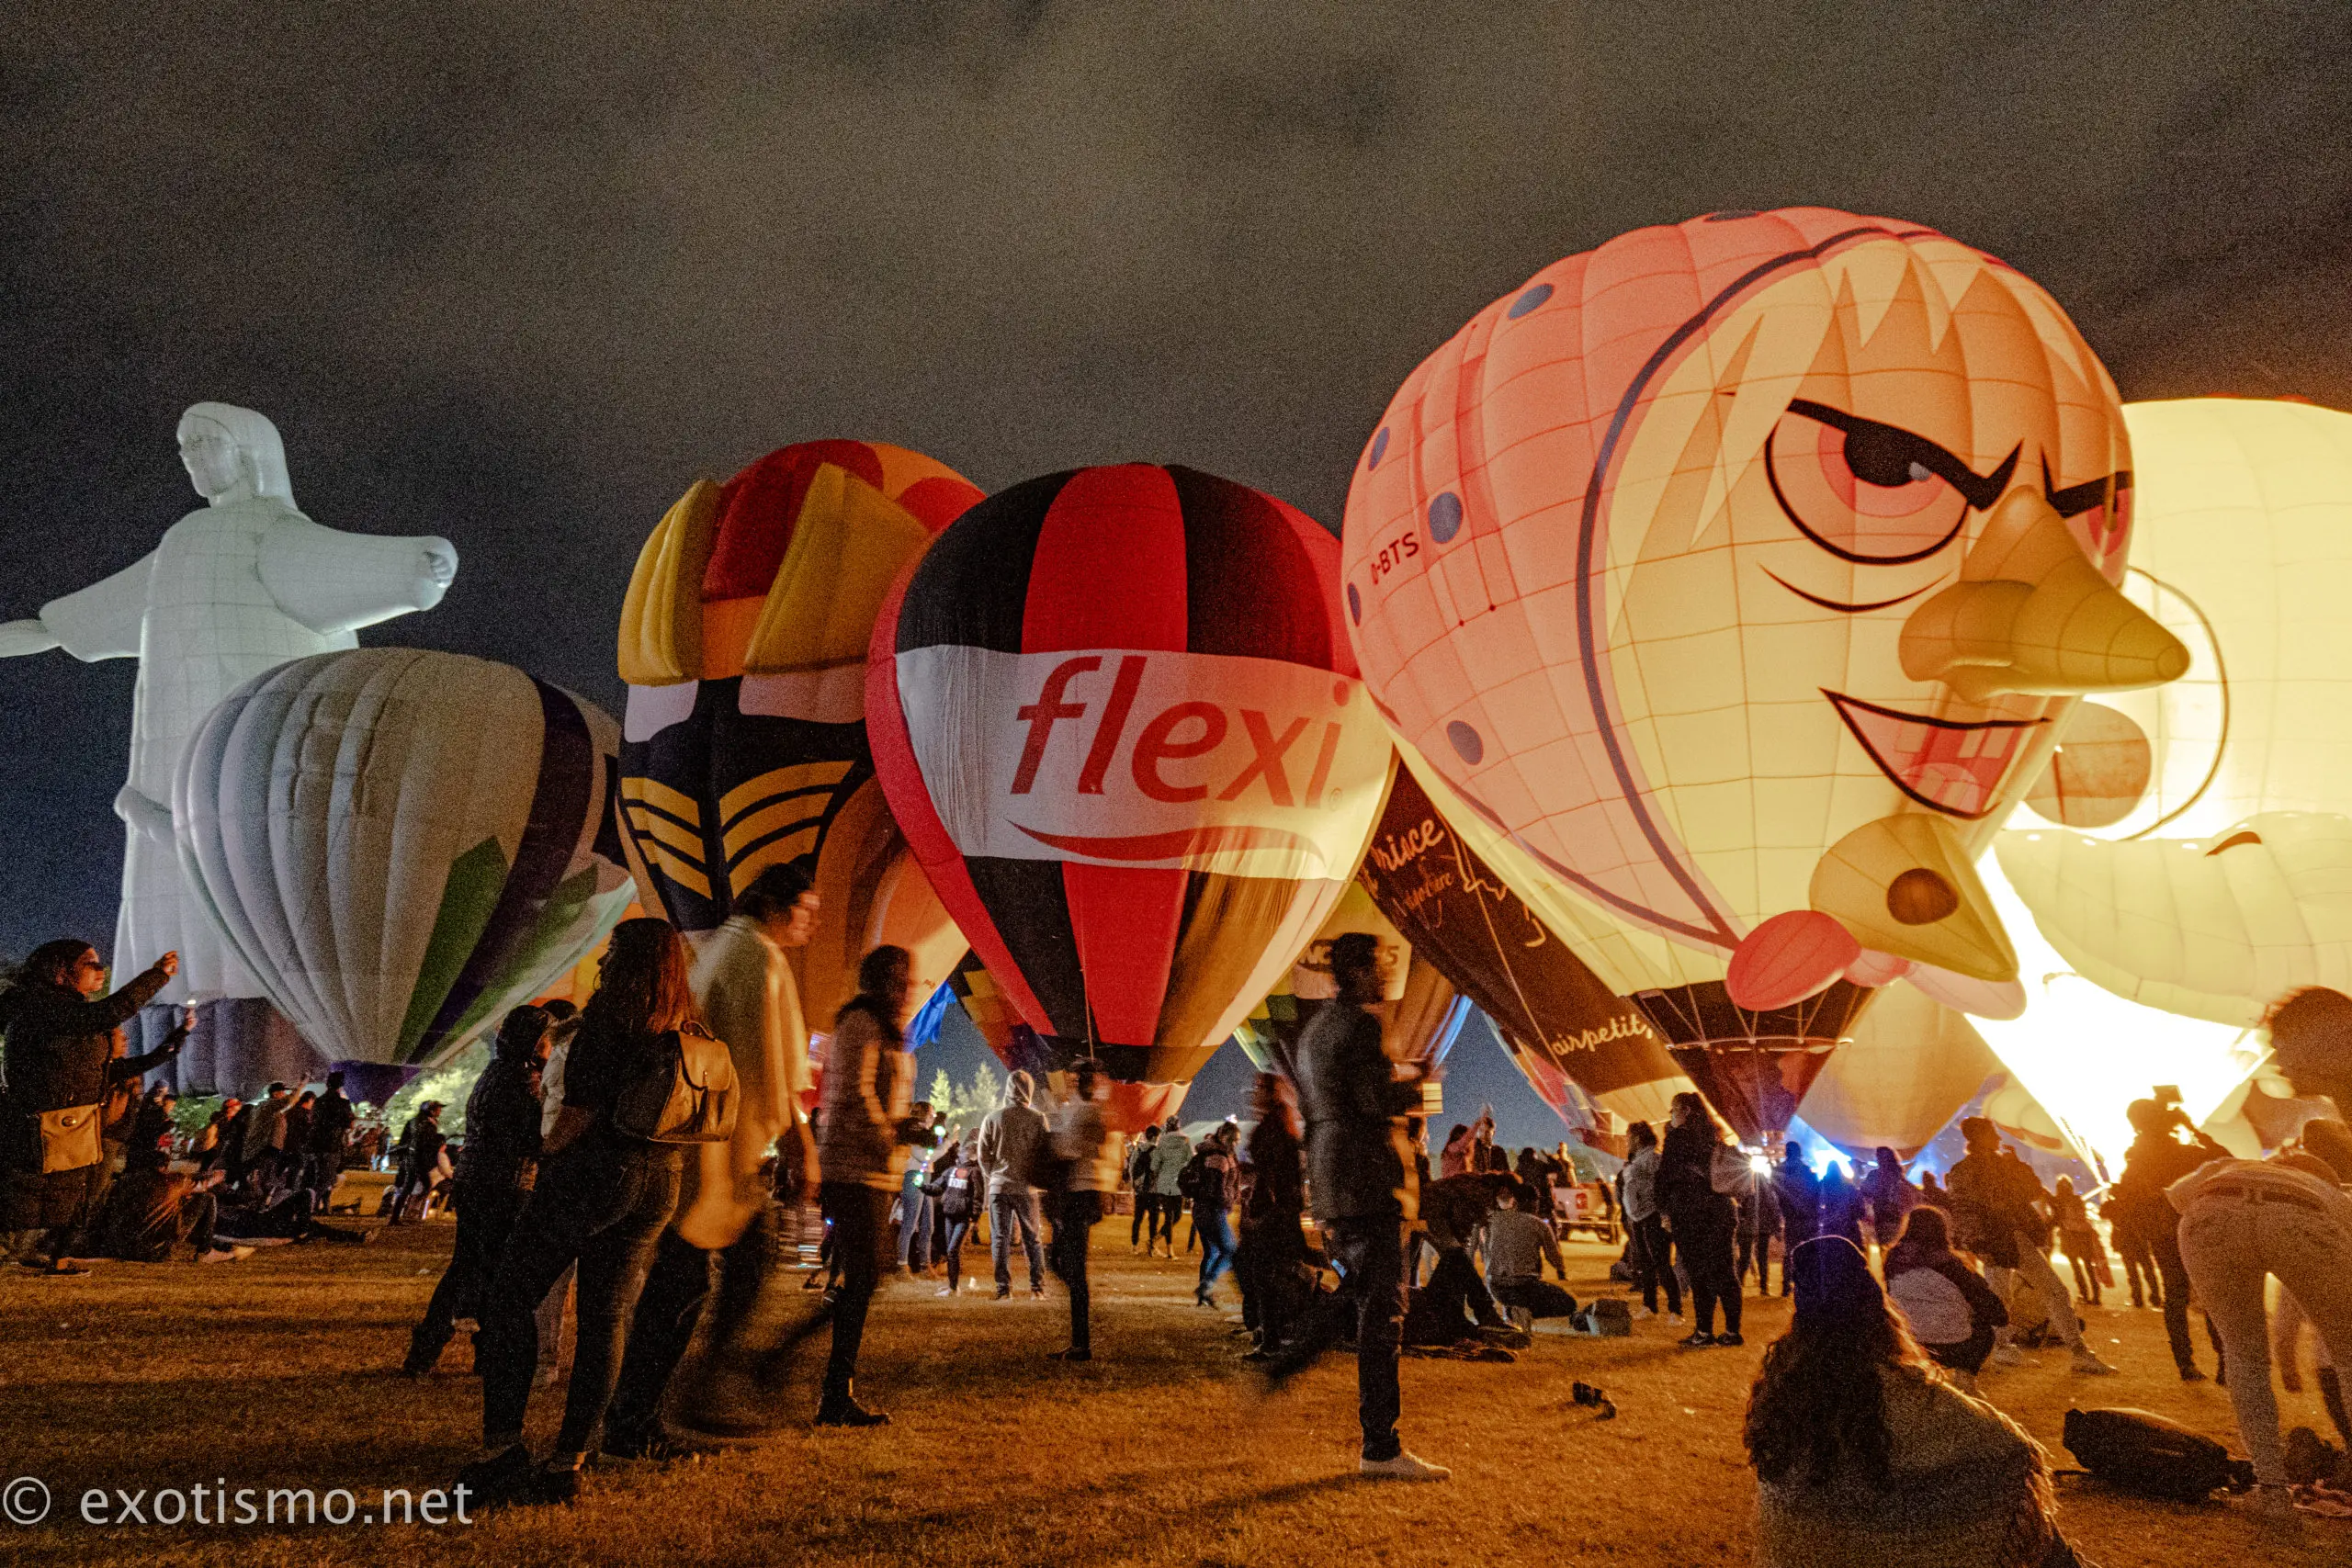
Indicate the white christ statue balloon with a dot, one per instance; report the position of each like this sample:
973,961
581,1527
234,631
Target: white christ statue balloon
240,586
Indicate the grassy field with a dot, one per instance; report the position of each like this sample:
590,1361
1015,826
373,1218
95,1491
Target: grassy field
278,1372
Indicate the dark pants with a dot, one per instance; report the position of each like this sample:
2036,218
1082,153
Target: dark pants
1267,1261
860,1229
1074,1217
1370,1253
957,1232
1216,1244
676,1286
1165,1208
1966,1356
1143,1214
1009,1212
1654,1263
1537,1298
605,1207
485,1219
2163,1246
1703,1236
1756,1251
2139,1269
1453,1305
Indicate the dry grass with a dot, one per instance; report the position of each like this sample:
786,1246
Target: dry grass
275,1372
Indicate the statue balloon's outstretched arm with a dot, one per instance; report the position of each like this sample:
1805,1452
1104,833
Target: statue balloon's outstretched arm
333,582
99,622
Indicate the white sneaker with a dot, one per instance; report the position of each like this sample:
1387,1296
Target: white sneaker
1640,1311
2086,1362
2008,1356
944,1290
1404,1467
226,1255
1675,1318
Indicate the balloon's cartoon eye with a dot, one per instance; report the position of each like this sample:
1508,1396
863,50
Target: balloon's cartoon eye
2099,510
1867,492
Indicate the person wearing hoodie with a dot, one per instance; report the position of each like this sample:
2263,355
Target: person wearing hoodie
1653,1249
1010,1140
1169,1158
1993,1202
1951,1310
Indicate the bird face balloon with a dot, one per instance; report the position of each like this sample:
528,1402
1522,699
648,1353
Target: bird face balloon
1741,569
743,642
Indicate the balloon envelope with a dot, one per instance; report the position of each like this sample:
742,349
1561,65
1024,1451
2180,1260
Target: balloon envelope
1116,714
403,844
744,639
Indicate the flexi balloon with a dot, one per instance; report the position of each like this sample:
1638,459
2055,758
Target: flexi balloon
403,844
2198,860
1423,1013
743,641
1115,715
1742,570
1558,1020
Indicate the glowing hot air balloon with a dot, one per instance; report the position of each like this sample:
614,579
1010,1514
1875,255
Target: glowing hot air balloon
1117,719
403,844
743,641
1737,573
1423,1014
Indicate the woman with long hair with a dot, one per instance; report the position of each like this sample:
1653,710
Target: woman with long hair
1866,1457
1705,1221
601,1199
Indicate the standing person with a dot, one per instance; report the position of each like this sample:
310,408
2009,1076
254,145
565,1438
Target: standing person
1218,1184
600,1198
1889,1196
1841,1205
265,1142
1138,1177
1994,1204
2127,1221
1865,1456
963,1198
418,1154
1759,1222
330,1123
229,1130
2240,1222
865,1128
1461,1147
1088,1155
1353,1099
294,1158
1652,1248
1702,1218
1169,1158
726,1223
1273,1209
914,1209
1011,1140
1949,1308
2157,1158
61,1053
502,1147
1798,1190
2077,1241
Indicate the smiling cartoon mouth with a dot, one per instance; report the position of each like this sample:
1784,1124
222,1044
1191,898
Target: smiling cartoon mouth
1942,764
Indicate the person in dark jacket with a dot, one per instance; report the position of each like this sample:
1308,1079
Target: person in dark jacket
963,1198
1138,1178
1703,1219
1354,1100
417,1158
501,1146
1798,1190
1948,1307
2158,1157
1996,1215
294,1158
602,1198
1214,1189
62,1051
1273,1244
330,1123
1841,1207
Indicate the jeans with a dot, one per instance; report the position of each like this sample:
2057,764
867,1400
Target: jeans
957,1230
2233,1235
1007,1211
1216,1245
1654,1263
1702,1234
1074,1217
861,1222
2163,1246
1537,1298
914,1232
603,1206
485,1219
1370,1251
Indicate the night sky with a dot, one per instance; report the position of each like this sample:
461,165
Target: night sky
516,273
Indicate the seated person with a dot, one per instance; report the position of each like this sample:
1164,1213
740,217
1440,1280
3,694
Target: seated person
151,1211
290,1218
1518,1246
1947,1304
1454,1304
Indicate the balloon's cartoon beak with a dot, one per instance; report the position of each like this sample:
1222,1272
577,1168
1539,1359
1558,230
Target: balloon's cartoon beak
1905,885
2032,613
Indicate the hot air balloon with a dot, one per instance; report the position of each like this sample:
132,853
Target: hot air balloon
1424,1013
743,641
1558,1020
1115,715
1738,574
1909,1068
403,844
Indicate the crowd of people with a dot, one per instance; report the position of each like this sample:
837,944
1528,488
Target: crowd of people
636,1155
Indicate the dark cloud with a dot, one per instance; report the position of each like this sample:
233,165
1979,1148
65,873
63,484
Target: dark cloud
516,273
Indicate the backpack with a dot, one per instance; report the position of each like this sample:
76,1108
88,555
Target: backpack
1607,1316
1193,1179
688,1096
1728,1173
2151,1456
